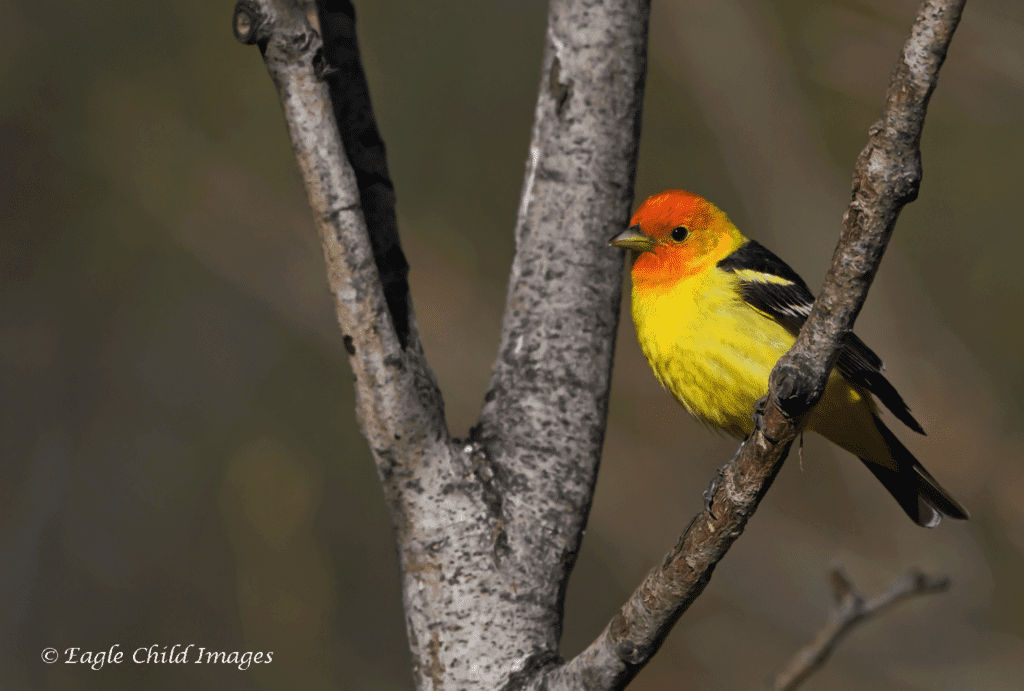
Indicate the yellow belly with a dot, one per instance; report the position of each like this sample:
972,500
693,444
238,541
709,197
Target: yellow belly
710,349
714,353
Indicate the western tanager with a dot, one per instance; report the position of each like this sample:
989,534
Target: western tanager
714,311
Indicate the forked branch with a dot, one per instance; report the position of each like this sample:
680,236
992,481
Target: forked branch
849,608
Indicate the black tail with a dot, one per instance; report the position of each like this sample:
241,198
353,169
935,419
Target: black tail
912,486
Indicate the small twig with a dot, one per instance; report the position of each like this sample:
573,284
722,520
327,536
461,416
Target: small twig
848,609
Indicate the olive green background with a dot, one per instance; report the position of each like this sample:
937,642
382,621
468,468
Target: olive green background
180,460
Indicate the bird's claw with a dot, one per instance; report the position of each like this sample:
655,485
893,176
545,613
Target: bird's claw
758,417
709,493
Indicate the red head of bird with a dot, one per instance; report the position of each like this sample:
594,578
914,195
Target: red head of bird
675,235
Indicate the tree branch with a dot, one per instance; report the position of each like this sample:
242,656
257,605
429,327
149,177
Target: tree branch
886,177
364,148
849,608
397,401
543,422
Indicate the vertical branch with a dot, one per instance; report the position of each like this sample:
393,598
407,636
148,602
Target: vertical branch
543,420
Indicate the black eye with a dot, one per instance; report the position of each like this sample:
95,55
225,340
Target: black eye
679,234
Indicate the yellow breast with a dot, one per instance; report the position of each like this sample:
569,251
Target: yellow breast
710,349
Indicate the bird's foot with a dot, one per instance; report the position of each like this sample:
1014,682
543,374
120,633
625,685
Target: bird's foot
758,417
709,493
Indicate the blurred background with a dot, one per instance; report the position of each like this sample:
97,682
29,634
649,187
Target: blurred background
181,462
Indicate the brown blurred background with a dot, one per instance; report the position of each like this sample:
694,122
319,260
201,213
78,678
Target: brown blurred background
180,458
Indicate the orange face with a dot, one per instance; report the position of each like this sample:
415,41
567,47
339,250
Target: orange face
688,233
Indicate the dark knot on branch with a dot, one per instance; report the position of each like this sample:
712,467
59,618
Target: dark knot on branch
249,24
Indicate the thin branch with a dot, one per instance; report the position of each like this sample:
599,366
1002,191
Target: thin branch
886,177
364,148
398,404
849,608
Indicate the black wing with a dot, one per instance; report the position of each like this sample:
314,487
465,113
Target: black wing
768,285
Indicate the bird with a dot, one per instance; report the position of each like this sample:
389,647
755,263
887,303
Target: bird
714,311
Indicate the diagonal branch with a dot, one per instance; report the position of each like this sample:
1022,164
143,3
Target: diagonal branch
398,404
364,148
848,609
886,177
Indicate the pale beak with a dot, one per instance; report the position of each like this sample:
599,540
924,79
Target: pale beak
633,239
